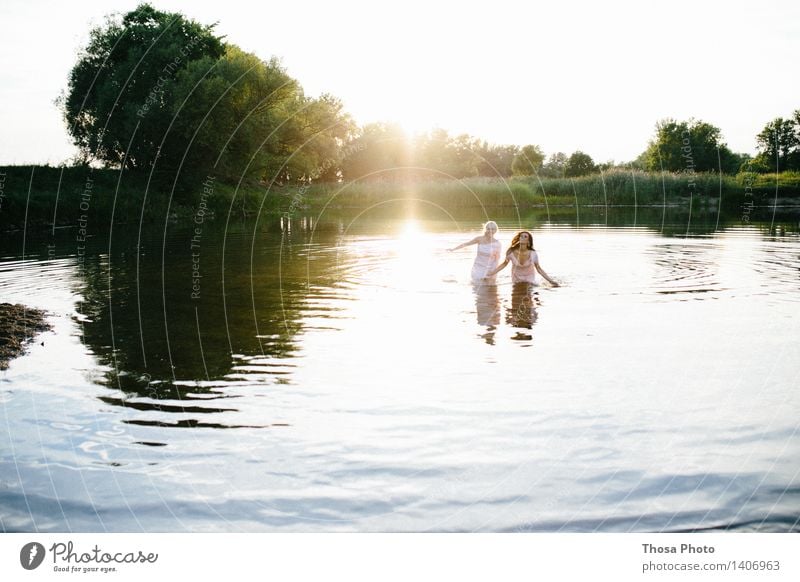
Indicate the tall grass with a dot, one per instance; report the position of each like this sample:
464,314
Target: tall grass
44,196
783,183
633,187
37,196
615,188
467,192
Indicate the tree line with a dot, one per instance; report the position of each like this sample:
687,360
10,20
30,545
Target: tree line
161,95
158,94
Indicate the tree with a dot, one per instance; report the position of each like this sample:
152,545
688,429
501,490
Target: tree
122,85
377,152
528,161
495,160
172,99
244,117
554,168
454,157
323,127
688,146
779,145
460,159
579,164
225,113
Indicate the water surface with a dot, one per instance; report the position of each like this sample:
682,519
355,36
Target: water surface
340,373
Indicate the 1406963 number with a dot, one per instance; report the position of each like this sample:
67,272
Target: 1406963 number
758,565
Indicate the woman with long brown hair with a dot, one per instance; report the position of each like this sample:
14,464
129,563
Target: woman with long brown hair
524,261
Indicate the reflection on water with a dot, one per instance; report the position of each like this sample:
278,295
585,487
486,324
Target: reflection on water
522,313
366,385
487,308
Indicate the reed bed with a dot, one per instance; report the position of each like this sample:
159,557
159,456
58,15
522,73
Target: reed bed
36,196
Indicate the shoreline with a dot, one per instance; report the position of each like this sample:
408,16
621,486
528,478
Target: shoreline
49,198
709,205
19,325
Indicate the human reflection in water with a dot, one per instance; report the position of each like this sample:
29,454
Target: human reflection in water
487,306
522,313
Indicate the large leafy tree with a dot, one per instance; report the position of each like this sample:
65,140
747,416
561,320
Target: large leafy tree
779,145
452,156
685,146
226,112
459,155
156,92
579,164
118,103
378,151
320,128
240,117
528,161
556,163
494,160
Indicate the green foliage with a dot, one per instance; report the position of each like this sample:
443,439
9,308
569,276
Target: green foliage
45,196
689,146
784,183
641,161
448,193
161,94
123,83
616,187
381,152
494,160
243,118
634,187
377,152
778,145
57,194
529,161
555,166
225,110
165,99
579,164
452,157
324,128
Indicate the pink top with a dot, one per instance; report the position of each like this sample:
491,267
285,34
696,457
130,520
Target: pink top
523,273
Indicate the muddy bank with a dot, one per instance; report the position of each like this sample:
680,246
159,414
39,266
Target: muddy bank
18,325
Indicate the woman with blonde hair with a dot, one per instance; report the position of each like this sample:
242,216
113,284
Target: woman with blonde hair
488,254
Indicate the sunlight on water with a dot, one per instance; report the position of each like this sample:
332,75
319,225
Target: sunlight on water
349,377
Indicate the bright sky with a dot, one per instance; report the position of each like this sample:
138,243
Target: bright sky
565,75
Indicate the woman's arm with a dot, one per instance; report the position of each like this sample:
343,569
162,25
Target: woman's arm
543,274
466,244
499,268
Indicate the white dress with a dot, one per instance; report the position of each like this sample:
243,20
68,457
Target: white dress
486,261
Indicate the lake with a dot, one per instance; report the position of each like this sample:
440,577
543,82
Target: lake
337,371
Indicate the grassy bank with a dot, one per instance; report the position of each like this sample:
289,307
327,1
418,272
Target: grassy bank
41,196
38,197
784,184
614,188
